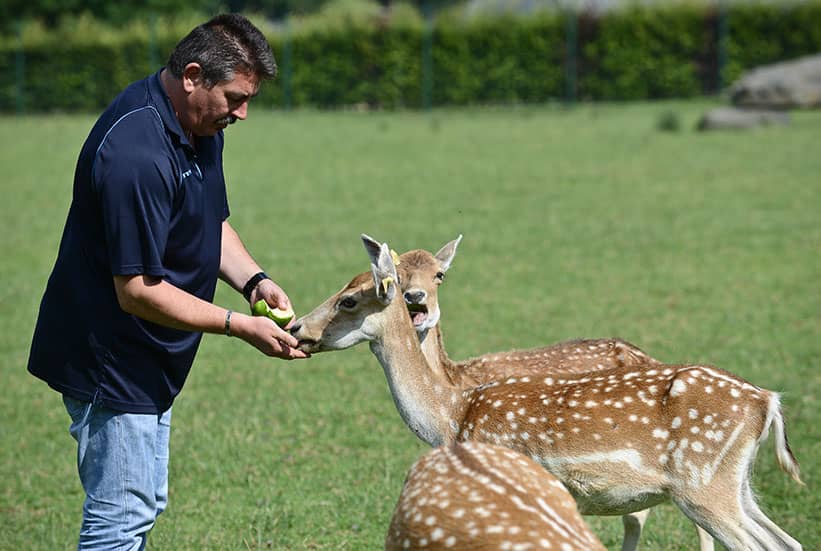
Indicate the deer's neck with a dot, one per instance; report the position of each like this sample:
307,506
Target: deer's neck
426,399
433,347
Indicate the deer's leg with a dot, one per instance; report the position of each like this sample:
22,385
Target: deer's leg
633,524
705,540
773,530
724,518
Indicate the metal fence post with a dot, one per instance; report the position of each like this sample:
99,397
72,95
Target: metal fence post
20,71
570,62
152,42
721,62
287,64
427,57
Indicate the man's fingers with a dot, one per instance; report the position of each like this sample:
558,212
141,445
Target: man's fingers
289,353
286,338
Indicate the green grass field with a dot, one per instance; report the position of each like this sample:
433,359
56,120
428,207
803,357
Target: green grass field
581,223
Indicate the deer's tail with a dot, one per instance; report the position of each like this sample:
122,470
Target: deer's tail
783,453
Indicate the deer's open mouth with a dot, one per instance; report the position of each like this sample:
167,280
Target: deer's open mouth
418,313
307,345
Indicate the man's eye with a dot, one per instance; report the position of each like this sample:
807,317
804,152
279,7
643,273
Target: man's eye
347,302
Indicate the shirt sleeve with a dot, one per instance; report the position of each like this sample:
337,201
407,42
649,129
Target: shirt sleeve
136,185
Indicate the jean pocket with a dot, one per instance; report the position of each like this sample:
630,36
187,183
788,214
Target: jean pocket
77,409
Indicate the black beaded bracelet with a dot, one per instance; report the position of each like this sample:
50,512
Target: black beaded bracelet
252,283
228,323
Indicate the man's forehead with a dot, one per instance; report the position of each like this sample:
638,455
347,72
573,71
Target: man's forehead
242,83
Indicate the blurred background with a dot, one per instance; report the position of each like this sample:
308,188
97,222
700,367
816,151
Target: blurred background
75,55
557,136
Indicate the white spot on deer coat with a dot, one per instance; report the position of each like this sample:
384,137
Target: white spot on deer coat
629,456
678,388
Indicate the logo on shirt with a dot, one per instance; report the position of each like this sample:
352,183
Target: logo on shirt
196,170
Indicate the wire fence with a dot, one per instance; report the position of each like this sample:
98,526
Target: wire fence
581,68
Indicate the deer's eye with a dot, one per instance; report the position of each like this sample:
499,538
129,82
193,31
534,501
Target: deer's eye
440,276
348,303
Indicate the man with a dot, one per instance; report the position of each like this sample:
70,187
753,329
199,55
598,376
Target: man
131,291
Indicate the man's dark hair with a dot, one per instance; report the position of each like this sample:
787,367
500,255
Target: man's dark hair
222,46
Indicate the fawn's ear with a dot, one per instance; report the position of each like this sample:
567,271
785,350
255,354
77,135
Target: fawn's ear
446,253
383,269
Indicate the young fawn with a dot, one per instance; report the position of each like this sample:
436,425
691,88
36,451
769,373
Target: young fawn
420,275
469,495
620,439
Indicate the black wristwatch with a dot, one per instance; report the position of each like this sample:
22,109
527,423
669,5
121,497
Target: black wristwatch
252,283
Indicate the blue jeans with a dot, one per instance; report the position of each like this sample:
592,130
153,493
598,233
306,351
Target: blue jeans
122,459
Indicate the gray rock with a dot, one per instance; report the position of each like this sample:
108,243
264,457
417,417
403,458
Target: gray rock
731,118
786,85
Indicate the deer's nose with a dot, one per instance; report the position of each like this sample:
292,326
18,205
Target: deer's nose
414,297
295,328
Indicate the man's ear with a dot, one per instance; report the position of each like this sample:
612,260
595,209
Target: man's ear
191,77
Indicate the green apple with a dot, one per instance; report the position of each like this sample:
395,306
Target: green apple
280,317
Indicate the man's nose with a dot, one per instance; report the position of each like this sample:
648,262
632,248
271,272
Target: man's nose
241,112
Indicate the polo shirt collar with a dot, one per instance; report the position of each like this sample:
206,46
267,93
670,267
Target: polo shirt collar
165,108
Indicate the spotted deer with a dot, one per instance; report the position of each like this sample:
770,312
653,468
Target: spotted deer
469,495
420,275
621,439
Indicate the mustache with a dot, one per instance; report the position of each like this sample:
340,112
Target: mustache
230,119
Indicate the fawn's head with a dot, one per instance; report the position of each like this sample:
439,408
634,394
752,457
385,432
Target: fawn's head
420,274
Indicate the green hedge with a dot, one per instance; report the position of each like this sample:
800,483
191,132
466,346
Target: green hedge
642,53
639,53
758,36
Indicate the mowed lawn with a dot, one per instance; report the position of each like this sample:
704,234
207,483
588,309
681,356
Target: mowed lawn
577,223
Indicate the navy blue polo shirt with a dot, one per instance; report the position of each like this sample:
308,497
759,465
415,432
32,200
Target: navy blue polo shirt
145,202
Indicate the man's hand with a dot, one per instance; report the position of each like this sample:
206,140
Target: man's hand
273,294
266,336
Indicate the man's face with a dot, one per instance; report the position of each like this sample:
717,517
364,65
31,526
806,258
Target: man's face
212,109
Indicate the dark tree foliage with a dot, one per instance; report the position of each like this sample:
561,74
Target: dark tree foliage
277,9
51,11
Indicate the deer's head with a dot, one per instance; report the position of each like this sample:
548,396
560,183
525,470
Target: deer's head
420,274
355,313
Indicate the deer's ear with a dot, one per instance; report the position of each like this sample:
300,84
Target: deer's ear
384,275
372,246
446,253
